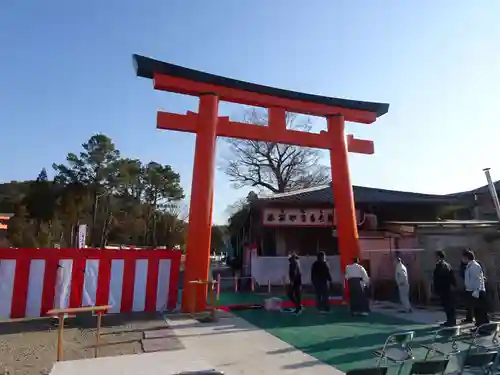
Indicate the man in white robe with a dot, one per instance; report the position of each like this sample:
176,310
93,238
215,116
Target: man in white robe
357,280
401,277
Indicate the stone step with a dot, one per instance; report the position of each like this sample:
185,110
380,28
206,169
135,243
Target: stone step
161,344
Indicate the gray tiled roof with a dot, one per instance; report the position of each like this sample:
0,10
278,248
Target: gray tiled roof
480,190
363,194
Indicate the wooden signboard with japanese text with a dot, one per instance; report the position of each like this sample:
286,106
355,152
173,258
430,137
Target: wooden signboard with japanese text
309,217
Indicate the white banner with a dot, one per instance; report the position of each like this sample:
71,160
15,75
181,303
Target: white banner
82,234
275,269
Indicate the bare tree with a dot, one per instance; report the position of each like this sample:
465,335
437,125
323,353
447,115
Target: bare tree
173,224
179,210
241,204
273,166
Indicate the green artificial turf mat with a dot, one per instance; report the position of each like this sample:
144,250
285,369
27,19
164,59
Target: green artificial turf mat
339,339
232,298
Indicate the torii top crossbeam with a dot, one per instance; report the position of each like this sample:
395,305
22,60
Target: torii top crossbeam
207,125
177,79
170,77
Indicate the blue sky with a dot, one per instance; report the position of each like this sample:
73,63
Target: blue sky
66,73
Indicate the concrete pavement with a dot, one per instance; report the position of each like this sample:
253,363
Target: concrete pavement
231,345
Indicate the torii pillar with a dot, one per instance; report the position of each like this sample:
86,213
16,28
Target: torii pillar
207,126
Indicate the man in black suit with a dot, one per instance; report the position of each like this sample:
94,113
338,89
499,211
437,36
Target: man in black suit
321,279
295,286
444,285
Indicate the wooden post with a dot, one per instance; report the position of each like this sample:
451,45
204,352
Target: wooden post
98,334
60,314
60,337
212,299
212,294
269,286
193,291
218,286
217,297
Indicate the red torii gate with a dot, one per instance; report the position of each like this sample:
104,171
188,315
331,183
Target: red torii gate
208,125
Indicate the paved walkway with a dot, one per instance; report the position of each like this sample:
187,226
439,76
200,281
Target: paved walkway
418,315
234,346
160,363
231,345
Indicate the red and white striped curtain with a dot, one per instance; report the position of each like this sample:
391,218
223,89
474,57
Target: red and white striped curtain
33,281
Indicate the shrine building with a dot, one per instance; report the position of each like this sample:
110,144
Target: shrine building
412,225
303,221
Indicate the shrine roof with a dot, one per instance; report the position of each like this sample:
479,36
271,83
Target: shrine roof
480,190
146,68
362,194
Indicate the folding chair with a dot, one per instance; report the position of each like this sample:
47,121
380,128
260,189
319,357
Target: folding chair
201,372
444,343
485,337
368,371
396,349
480,361
429,367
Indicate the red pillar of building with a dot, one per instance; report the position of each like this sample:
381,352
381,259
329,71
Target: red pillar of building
345,212
200,210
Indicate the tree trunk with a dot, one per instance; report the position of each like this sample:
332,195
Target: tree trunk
105,230
154,219
74,234
38,227
93,234
146,227
106,223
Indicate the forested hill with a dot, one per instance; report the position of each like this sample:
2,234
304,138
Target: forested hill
11,192
122,201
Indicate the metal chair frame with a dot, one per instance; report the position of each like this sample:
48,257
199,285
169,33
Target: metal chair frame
493,330
429,367
402,342
368,371
488,342
444,335
484,361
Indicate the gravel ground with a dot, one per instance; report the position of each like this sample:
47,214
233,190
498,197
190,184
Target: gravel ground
29,347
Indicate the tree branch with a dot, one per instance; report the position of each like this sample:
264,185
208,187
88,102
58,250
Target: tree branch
272,166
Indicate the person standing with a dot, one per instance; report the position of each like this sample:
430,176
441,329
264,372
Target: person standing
295,285
357,280
402,280
475,286
469,312
444,285
321,280
235,264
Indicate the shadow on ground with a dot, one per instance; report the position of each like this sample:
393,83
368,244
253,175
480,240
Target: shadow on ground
338,339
